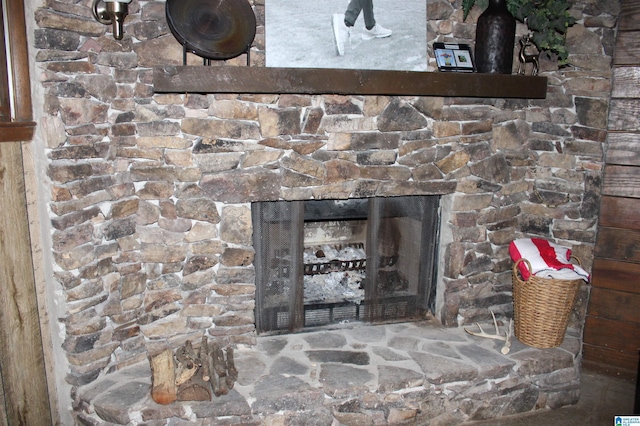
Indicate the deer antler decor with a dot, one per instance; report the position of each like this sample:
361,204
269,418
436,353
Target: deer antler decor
506,338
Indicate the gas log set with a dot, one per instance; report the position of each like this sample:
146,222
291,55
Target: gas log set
190,374
334,273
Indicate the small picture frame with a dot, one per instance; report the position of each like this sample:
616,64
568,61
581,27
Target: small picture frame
455,57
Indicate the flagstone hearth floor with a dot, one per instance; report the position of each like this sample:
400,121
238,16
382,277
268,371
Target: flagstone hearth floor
412,373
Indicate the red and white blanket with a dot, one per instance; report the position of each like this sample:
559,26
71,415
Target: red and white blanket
548,260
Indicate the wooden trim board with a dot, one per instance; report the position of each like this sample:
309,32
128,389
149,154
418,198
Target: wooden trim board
21,353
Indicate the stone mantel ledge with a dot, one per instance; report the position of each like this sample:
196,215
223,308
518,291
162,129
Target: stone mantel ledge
247,186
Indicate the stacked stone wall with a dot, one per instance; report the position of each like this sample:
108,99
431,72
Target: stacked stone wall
150,193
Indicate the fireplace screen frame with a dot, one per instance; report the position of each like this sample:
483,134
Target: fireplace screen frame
278,237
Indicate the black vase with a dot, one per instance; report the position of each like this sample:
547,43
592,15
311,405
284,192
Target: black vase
495,38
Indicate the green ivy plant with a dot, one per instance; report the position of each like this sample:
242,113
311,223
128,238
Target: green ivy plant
548,21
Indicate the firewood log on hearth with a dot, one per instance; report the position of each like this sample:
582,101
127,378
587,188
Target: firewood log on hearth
163,377
187,363
218,367
232,372
203,354
190,375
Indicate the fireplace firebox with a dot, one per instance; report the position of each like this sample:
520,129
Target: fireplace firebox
321,262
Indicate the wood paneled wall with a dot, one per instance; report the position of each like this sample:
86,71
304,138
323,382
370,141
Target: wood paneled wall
24,398
23,378
612,330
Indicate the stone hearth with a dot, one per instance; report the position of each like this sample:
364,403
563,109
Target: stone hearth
416,373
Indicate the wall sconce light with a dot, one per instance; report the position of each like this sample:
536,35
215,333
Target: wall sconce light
110,12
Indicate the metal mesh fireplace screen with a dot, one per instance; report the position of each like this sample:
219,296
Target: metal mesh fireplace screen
333,261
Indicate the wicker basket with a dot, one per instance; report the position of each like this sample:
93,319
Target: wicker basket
541,307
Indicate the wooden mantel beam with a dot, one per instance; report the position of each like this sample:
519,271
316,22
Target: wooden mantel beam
232,79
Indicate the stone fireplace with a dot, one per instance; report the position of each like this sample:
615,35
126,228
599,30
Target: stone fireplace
149,200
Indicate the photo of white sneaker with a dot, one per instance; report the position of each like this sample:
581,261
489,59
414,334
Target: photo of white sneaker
378,31
341,32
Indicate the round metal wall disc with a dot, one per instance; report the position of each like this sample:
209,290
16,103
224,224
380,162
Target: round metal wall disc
213,29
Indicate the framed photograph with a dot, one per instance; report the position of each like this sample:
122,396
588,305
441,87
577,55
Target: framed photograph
347,34
453,57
